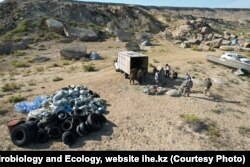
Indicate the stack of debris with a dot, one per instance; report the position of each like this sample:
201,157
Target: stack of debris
73,111
154,90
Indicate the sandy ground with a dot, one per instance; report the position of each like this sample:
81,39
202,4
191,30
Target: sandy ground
138,121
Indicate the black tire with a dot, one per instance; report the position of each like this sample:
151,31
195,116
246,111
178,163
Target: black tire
79,113
40,125
32,126
67,125
94,121
68,138
85,128
79,132
54,132
20,135
76,120
42,136
62,116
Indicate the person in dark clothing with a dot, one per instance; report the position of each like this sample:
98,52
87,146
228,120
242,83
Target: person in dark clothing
174,75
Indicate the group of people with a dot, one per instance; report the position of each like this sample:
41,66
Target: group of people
164,72
186,85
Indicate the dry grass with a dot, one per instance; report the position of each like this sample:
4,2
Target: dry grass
56,79
8,87
16,99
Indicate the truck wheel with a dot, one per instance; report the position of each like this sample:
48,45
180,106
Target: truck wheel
126,76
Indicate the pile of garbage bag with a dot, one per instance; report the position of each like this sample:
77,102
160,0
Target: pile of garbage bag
73,111
154,90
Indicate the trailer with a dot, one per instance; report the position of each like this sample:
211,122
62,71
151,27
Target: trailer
127,60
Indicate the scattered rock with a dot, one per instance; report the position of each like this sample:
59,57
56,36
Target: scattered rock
132,46
184,45
82,34
75,52
204,47
206,30
19,46
6,47
215,43
168,35
226,42
177,42
124,36
55,26
40,59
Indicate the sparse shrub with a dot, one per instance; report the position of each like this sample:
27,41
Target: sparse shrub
22,27
10,87
65,63
248,54
150,65
16,99
199,125
56,79
89,67
217,111
39,69
196,48
244,131
190,118
213,131
53,65
31,82
20,64
212,49
3,111
18,53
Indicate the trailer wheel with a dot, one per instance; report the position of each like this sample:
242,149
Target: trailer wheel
126,76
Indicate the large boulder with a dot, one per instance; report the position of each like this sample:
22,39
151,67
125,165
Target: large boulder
132,46
215,43
40,59
19,46
75,52
55,26
124,36
226,42
6,47
204,47
82,34
186,28
168,35
206,30
112,27
143,37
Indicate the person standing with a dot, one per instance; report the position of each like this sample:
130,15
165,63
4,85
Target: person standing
174,74
208,84
187,77
186,87
167,71
157,77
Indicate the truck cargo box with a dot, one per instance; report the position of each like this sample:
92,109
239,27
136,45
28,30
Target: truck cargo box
128,60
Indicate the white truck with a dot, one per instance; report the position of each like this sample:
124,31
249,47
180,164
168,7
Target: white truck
127,60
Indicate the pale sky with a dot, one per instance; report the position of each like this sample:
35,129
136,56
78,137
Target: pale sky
184,3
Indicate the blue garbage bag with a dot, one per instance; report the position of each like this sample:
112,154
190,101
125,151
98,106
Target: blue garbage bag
26,106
